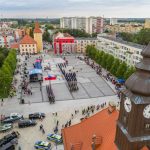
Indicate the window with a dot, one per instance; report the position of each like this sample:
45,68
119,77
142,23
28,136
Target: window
147,126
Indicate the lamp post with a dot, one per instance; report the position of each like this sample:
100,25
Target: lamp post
93,142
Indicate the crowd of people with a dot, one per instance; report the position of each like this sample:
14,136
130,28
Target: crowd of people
69,76
84,113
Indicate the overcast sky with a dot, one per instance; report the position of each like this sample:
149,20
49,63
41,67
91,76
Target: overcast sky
60,8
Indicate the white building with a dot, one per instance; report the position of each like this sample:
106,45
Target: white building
113,21
65,23
90,25
125,51
6,40
82,43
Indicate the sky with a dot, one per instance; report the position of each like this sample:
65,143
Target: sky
64,8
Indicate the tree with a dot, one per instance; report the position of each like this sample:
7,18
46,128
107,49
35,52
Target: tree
2,57
109,62
114,67
121,70
104,60
46,36
129,72
31,32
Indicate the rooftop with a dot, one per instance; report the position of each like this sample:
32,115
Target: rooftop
14,46
124,42
84,38
62,35
27,40
37,28
102,124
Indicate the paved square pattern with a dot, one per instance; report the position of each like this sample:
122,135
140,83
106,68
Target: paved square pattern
90,84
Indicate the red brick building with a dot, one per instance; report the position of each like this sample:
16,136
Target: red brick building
63,43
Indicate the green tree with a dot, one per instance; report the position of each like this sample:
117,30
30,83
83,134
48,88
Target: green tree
109,62
121,70
115,66
104,60
46,36
129,72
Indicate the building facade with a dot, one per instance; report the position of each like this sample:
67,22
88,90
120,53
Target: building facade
28,45
82,43
125,51
147,23
113,21
6,40
38,37
63,43
90,24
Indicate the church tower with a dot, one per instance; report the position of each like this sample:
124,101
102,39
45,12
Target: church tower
38,37
133,125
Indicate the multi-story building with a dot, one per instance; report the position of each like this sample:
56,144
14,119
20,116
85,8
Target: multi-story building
28,45
95,25
6,40
82,43
63,43
90,25
130,28
147,23
113,21
65,23
125,51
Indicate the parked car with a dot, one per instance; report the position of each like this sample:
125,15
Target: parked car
26,123
13,138
5,127
55,138
41,145
8,146
37,115
12,118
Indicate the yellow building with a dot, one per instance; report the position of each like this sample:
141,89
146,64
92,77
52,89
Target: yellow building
147,23
38,37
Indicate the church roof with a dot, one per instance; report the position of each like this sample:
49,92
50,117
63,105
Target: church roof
37,28
138,83
102,124
27,40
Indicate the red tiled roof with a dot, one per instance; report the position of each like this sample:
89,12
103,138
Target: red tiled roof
102,124
27,40
37,28
14,46
145,148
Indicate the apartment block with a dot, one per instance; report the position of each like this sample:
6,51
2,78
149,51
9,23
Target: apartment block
125,51
82,43
90,24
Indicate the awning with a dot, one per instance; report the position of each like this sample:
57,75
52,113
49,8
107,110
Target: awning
35,71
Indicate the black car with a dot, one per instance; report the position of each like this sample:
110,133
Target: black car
13,138
8,146
37,115
26,123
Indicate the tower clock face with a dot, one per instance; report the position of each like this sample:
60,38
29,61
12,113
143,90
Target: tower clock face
146,112
127,104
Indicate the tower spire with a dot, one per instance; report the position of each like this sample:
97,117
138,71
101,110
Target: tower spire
139,82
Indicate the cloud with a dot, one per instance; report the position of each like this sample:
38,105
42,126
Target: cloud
59,8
